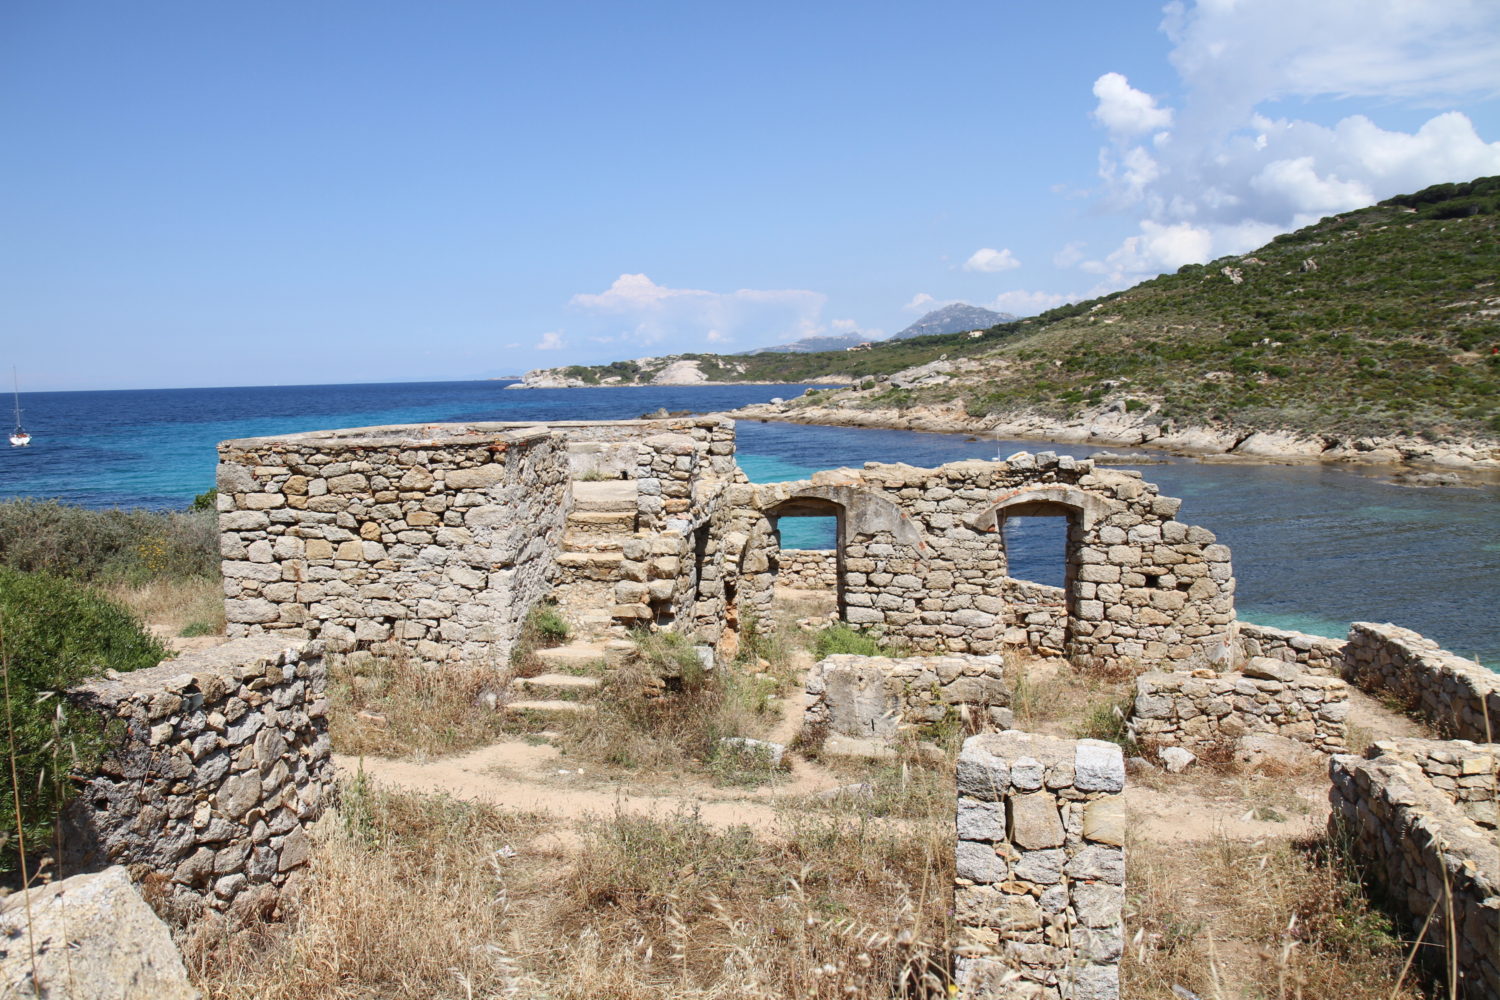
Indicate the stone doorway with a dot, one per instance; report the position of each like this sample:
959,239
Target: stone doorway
1041,543
808,557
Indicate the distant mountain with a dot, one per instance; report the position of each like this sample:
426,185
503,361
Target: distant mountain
957,318
809,345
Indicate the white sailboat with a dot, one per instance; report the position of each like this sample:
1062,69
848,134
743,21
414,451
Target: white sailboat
19,438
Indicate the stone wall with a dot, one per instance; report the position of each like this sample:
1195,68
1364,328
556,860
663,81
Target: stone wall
808,569
223,759
1467,773
1426,857
924,557
1191,711
1040,866
1038,615
1315,654
881,697
1455,695
433,539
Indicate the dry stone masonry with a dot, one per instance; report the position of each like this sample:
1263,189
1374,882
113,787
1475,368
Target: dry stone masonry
223,760
1314,654
808,569
1420,844
1040,867
1200,709
876,697
1457,696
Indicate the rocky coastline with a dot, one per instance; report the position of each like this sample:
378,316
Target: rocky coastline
1417,461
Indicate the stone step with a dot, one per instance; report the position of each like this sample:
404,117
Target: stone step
602,522
590,565
591,541
548,707
561,687
611,495
581,656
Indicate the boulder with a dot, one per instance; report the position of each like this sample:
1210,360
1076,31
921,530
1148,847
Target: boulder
1270,752
1176,759
93,938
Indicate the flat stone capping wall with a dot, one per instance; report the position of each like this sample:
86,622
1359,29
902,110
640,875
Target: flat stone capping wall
1454,694
1315,654
1426,857
1040,867
1194,711
880,697
223,760
1467,773
434,539
808,569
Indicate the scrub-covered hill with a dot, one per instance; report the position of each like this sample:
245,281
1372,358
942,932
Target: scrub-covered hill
1383,321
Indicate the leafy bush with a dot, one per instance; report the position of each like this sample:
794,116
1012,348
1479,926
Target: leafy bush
842,638
107,546
55,633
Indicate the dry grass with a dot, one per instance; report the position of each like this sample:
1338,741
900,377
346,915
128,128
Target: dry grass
1230,919
663,713
185,606
419,897
393,706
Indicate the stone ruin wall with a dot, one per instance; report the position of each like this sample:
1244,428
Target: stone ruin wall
808,569
1038,615
1424,852
1459,697
435,540
223,760
1315,654
877,697
1184,710
924,560
1040,884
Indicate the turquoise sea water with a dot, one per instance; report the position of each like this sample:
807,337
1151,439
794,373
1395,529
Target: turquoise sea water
1314,547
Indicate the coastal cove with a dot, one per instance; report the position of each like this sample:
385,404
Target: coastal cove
1315,545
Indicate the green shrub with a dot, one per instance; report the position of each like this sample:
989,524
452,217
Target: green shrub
842,638
55,633
207,500
107,546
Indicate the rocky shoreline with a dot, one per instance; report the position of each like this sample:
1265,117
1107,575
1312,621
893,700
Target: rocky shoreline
1414,460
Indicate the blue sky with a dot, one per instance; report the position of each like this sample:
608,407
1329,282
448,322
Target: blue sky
289,192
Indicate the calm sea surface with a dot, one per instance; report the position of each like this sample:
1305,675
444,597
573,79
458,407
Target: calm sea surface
1314,547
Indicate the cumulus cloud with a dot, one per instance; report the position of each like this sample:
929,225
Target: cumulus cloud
637,310
921,302
1026,303
551,341
1218,175
1069,255
988,260
1126,111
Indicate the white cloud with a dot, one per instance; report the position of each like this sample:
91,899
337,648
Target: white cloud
1069,255
1024,303
990,261
921,302
635,309
1220,176
1126,111
551,341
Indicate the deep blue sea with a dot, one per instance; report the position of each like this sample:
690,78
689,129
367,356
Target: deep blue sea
1315,547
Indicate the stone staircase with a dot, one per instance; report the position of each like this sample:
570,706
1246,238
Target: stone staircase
571,679
602,520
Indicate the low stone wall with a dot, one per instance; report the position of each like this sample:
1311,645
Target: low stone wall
1040,866
1186,710
879,697
1467,773
808,569
1038,615
1426,857
223,759
1315,654
1454,694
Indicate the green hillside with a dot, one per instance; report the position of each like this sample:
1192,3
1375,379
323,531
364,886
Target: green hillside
1392,327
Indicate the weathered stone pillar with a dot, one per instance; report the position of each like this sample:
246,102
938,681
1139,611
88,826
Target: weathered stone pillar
1041,867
